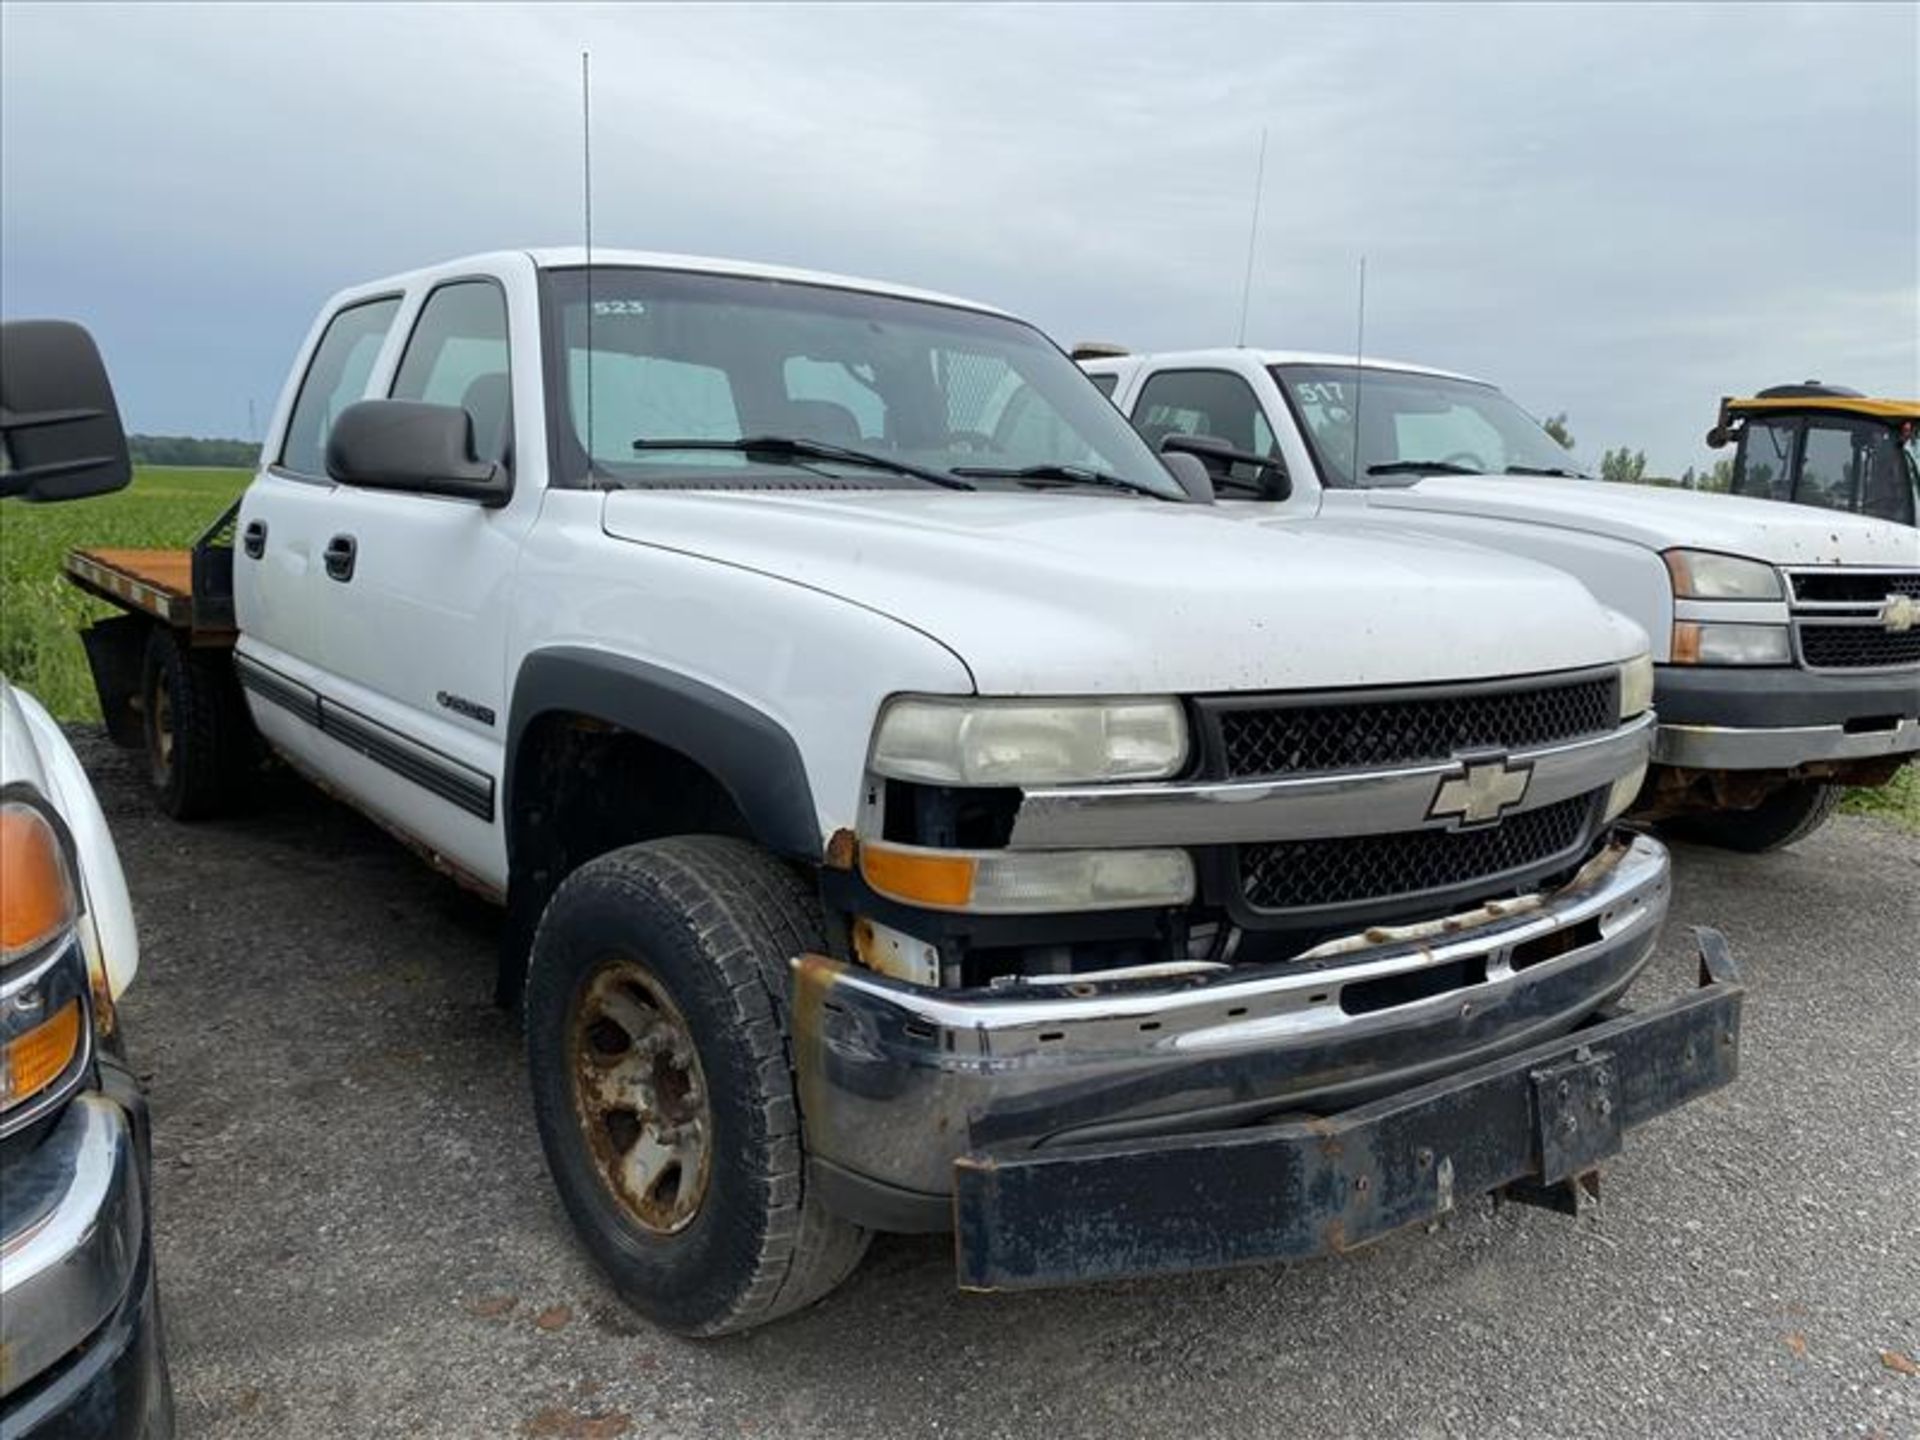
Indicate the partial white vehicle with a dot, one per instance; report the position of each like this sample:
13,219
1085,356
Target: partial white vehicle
80,1344
916,805
1787,640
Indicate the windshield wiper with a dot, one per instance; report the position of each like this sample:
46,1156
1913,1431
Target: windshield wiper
798,447
1422,467
1056,474
1557,471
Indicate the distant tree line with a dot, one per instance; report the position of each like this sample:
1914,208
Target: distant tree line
192,450
1629,467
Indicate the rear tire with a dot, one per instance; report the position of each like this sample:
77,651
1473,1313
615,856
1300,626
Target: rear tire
1791,813
195,724
663,968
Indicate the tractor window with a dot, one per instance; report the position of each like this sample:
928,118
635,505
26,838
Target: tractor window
1827,469
1762,467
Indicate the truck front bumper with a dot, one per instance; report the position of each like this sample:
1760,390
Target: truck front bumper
907,1092
1780,719
80,1351
1540,1121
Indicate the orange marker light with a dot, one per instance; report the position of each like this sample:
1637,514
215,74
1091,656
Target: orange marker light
918,877
31,1062
36,897
1686,643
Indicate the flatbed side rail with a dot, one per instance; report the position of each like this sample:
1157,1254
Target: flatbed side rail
1544,1118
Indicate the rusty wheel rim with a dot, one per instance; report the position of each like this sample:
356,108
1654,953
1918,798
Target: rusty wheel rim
162,730
641,1097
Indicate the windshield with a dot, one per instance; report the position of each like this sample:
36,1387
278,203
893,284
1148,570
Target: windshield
895,386
1408,420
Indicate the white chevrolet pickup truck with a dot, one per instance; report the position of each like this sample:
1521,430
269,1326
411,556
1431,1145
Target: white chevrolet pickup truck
916,805
1787,639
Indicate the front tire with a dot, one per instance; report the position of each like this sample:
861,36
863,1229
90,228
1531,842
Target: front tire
656,1015
1791,813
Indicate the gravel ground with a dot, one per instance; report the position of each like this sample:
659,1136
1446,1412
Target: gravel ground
357,1236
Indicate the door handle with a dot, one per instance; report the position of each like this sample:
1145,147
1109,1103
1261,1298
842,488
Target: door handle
339,556
254,540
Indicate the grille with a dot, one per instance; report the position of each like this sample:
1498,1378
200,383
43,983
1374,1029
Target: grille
1854,587
1281,740
1302,874
1857,647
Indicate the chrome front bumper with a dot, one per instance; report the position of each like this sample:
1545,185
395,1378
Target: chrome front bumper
897,1082
1726,747
72,1237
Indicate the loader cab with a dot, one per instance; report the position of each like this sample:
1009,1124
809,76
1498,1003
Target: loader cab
1824,446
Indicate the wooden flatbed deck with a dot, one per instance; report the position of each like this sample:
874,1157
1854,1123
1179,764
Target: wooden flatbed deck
155,582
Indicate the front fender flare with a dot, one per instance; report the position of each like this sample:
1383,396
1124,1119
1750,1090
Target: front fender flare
749,753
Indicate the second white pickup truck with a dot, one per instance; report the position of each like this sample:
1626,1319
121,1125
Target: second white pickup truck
1787,639
916,805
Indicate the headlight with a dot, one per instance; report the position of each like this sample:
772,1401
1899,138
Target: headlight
1016,882
1713,644
43,1023
1030,742
1636,686
1625,791
1703,575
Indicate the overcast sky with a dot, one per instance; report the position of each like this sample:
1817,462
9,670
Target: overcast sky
1620,213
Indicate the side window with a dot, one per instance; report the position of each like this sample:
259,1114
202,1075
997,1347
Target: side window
1203,402
335,378
457,355
1761,467
1105,384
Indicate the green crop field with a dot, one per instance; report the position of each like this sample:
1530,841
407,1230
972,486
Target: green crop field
41,614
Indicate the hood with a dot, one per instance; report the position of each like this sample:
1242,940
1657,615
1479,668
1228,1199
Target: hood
1082,594
1663,519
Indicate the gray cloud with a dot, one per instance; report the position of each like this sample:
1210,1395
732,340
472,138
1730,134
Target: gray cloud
1619,212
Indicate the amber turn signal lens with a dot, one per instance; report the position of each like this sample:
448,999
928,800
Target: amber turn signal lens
36,895
923,879
35,1059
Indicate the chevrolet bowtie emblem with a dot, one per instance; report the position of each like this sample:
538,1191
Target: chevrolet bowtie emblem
1900,614
1483,791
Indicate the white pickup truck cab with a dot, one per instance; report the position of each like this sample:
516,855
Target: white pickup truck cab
918,807
1787,640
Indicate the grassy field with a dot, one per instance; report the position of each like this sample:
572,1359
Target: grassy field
41,614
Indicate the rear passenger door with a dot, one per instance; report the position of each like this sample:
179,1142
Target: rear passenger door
413,605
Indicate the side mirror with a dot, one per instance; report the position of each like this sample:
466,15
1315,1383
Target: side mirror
1219,458
59,425
1192,475
409,445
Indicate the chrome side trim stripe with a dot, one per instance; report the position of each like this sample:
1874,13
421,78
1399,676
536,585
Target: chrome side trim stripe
458,784
1308,807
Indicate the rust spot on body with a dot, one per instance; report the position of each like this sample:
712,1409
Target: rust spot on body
843,848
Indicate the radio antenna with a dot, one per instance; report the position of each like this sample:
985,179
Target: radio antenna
1359,372
1253,235
586,197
